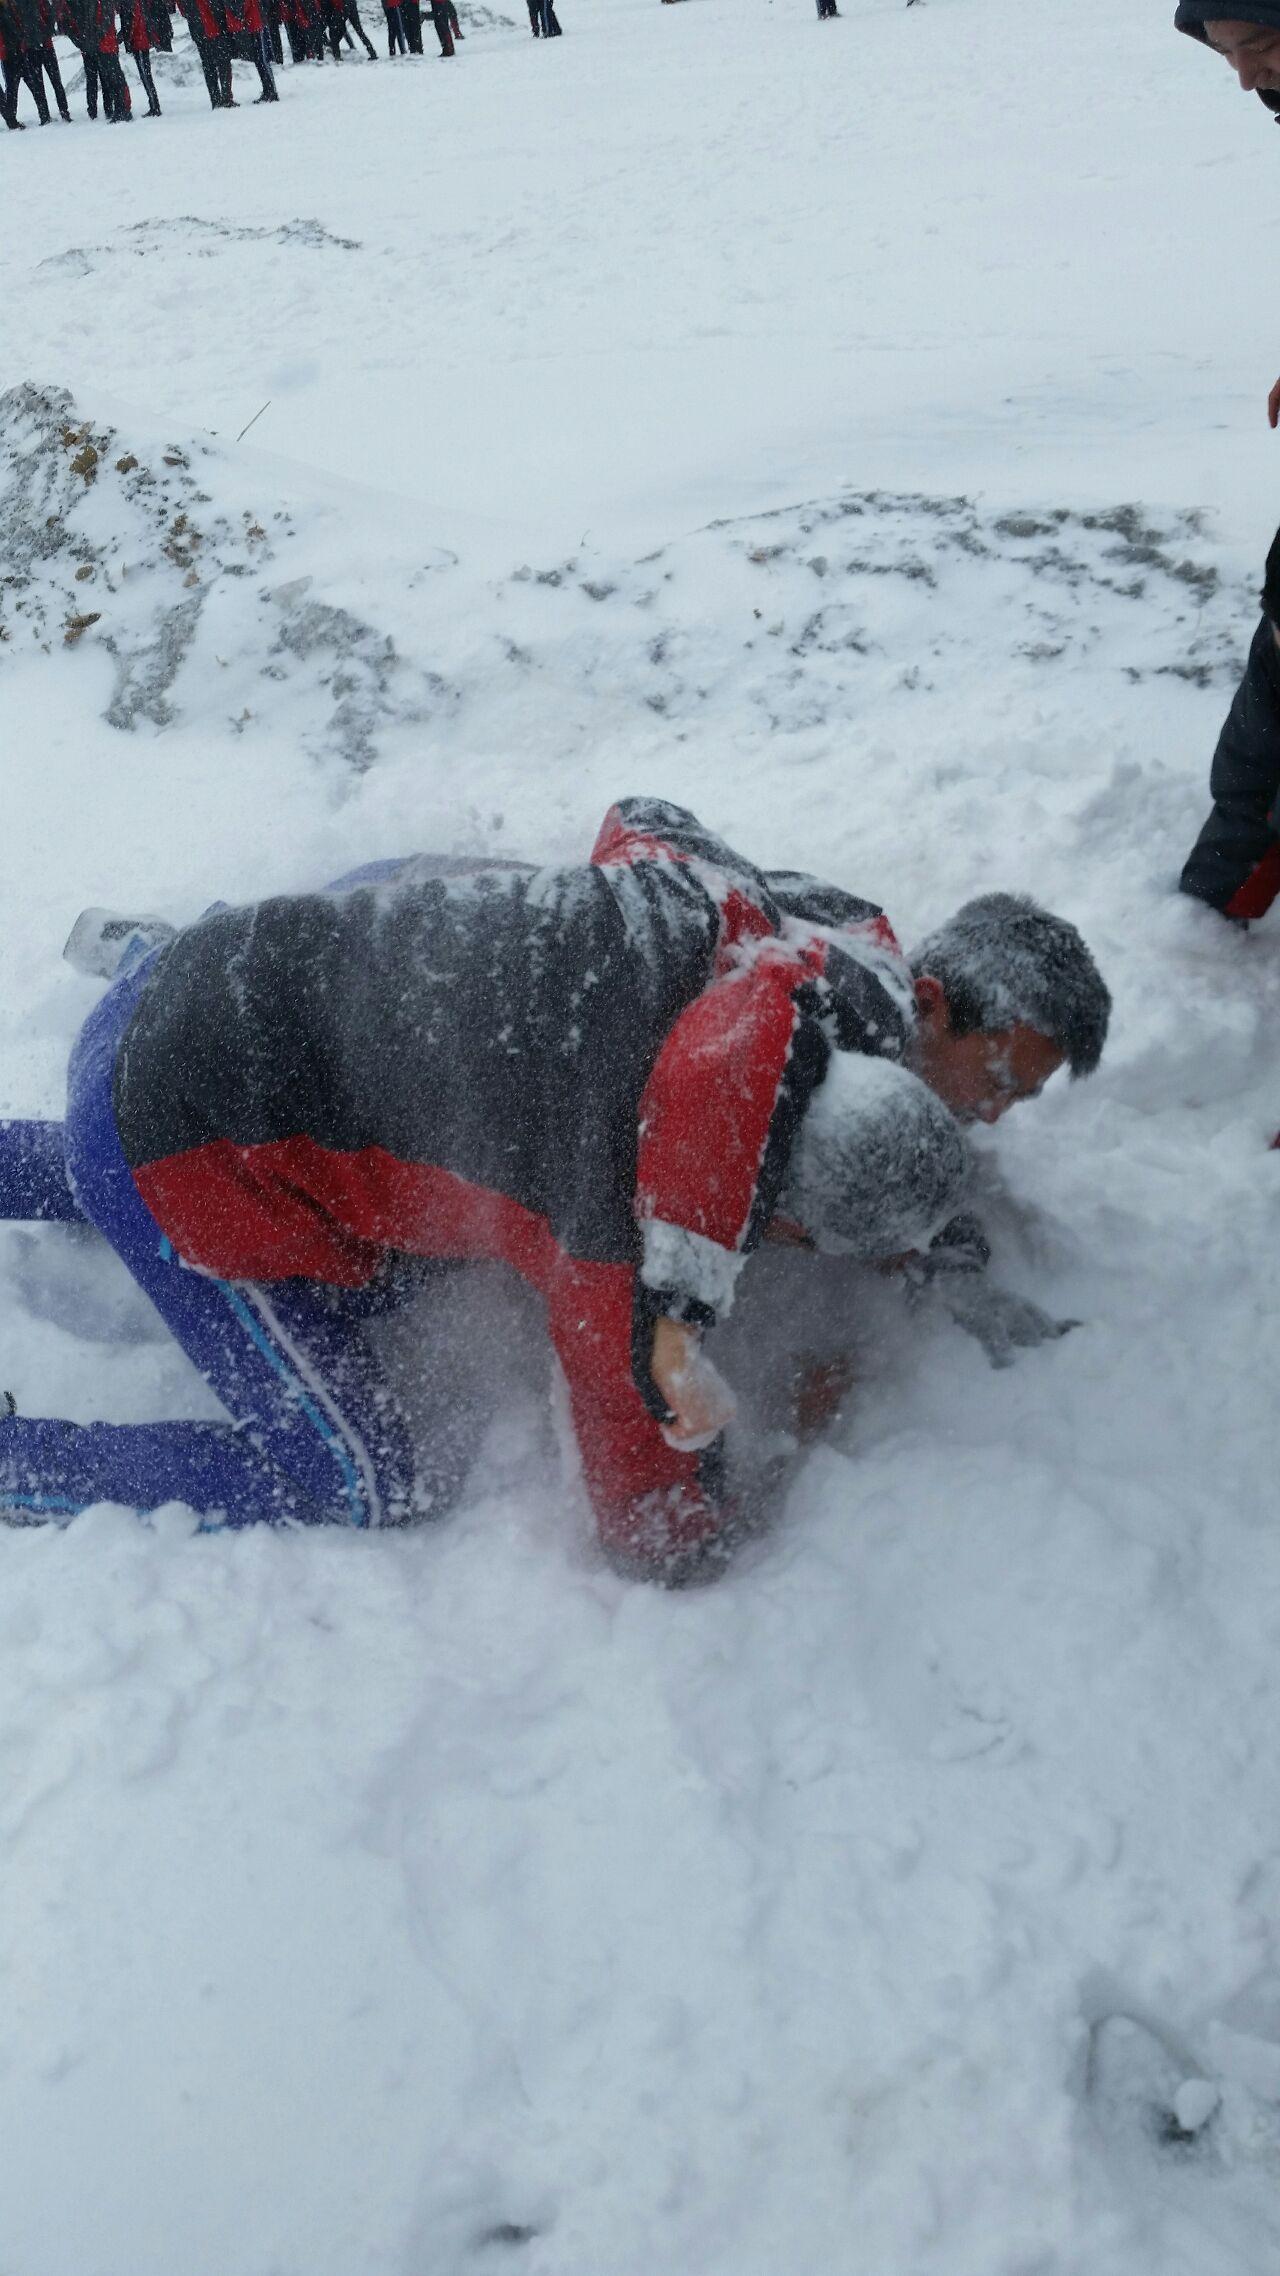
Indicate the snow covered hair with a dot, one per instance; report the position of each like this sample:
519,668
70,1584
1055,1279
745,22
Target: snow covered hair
879,1162
1003,961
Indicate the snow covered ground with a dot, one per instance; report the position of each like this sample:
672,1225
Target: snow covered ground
855,431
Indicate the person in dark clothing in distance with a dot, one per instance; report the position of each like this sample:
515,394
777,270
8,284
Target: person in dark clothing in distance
440,17
49,57
136,32
246,38
342,20
10,82
543,20
30,52
1234,865
304,25
207,24
397,40
92,26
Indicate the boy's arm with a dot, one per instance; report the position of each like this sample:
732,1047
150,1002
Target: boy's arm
718,1119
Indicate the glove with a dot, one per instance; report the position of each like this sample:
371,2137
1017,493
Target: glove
1002,1323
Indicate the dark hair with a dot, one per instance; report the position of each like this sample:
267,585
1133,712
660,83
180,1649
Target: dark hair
1003,961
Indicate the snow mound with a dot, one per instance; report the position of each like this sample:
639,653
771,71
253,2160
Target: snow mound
801,621
123,545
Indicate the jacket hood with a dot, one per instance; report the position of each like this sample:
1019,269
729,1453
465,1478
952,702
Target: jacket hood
1193,15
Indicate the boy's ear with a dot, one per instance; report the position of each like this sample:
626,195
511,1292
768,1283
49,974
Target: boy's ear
931,1001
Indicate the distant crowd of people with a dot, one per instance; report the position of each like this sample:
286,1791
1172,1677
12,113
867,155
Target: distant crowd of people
222,31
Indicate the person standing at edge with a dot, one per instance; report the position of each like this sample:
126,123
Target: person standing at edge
1235,863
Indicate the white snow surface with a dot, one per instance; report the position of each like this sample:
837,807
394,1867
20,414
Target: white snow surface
854,431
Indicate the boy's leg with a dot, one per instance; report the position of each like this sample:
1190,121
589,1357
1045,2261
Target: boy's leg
115,87
209,66
353,18
49,57
32,72
33,1174
51,1469
143,61
262,64
315,1433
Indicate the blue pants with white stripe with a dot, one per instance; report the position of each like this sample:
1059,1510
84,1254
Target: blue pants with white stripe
315,1434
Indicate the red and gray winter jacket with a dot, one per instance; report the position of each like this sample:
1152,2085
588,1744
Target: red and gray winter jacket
596,1074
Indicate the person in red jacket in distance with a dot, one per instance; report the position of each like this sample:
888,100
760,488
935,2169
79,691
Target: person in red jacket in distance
135,29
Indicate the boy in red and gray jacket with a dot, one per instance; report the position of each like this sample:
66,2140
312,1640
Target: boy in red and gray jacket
615,1078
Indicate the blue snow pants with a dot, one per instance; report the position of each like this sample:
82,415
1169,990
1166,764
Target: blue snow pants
315,1433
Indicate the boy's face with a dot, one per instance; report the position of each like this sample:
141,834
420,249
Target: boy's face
1252,50
979,1076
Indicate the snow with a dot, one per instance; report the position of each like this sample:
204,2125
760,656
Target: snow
853,431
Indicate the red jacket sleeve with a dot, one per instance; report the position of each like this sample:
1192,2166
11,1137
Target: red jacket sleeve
717,1121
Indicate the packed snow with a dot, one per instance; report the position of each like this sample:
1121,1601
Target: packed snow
853,431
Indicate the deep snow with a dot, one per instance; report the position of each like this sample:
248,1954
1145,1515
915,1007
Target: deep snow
748,411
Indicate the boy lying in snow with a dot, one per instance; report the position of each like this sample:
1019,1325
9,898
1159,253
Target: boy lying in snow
614,1078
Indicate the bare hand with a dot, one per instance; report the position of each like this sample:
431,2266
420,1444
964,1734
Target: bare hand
700,1400
1273,406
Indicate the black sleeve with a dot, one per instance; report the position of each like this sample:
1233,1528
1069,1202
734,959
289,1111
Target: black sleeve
1235,862
817,903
